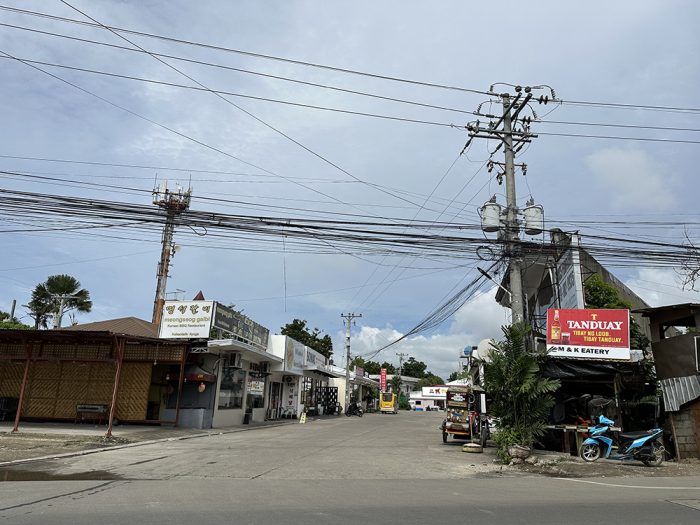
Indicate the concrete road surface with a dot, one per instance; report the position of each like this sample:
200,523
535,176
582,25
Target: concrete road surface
378,469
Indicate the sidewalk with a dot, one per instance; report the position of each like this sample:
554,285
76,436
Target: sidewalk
48,440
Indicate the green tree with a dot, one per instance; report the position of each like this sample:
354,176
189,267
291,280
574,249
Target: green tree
464,374
7,322
298,331
520,397
55,297
601,295
395,383
430,379
372,367
414,368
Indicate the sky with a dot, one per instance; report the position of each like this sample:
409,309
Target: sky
306,162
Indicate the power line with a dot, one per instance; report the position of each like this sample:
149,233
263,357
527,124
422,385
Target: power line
326,67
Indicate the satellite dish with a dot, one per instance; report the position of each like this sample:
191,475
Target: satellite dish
483,351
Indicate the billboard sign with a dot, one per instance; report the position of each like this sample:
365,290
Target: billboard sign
186,319
382,380
588,334
242,328
569,278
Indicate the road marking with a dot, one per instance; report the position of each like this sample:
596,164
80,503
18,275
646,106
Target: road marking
627,486
692,503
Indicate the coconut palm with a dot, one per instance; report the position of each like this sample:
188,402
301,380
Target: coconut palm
56,296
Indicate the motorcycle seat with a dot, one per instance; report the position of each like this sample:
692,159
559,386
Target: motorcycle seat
636,435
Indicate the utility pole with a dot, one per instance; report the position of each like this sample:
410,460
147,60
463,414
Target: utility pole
512,132
401,356
61,306
348,319
174,203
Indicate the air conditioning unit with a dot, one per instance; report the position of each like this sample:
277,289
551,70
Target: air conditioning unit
234,361
265,367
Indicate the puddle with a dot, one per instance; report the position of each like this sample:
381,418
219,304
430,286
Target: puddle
30,475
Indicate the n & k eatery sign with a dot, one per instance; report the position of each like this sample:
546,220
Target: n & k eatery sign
588,334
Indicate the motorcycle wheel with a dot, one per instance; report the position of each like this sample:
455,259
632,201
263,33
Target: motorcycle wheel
444,437
590,453
359,413
659,452
482,437
348,413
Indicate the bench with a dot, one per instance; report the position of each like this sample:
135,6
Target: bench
91,412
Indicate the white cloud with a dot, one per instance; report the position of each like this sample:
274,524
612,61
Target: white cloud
480,318
631,179
660,287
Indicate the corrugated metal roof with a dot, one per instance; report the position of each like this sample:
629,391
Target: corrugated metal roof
680,390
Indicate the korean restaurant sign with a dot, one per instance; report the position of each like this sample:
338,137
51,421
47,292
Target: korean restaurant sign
239,326
588,334
186,319
382,380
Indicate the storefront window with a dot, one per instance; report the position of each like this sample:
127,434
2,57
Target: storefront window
256,391
232,388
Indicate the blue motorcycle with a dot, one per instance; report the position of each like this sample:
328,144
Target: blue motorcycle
644,446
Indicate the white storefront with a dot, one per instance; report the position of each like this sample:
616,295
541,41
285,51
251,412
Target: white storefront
429,398
289,375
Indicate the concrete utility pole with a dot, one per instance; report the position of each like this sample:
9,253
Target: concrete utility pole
348,319
512,229
513,132
401,356
174,203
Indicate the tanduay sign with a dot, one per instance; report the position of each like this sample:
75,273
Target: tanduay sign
588,334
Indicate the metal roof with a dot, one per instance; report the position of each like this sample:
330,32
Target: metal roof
680,390
123,325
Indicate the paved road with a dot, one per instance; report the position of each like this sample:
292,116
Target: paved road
391,469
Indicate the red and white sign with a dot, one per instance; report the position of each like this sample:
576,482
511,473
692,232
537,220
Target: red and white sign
588,334
382,380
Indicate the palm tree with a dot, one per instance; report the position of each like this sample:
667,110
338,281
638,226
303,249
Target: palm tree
56,296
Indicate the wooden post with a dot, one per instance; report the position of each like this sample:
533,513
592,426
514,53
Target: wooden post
179,386
675,438
27,363
119,344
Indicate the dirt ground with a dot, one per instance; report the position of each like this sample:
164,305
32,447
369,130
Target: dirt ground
22,446
572,467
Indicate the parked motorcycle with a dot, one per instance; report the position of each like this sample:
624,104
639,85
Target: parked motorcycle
354,409
644,446
334,410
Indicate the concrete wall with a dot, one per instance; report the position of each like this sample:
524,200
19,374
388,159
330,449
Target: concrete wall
675,356
686,423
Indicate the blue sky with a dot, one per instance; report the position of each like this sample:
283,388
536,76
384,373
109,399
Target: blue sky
622,52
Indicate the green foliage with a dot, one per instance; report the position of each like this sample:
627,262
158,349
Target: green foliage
414,368
602,295
395,383
403,403
506,438
46,299
464,374
8,322
520,397
298,331
429,380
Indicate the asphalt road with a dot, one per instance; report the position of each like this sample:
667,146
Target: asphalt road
388,469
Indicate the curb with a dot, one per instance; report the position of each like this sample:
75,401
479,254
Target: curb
137,444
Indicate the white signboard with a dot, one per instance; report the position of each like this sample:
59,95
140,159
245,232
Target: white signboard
569,277
314,358
186,319
434,391
294,355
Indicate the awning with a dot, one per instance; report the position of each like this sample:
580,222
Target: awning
248,352
194,373
319,369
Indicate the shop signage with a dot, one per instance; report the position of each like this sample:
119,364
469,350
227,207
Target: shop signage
457,399
314,358
433,391
186,320
588,334
382,380
570,287
359,372
237,324
293,355
256,388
